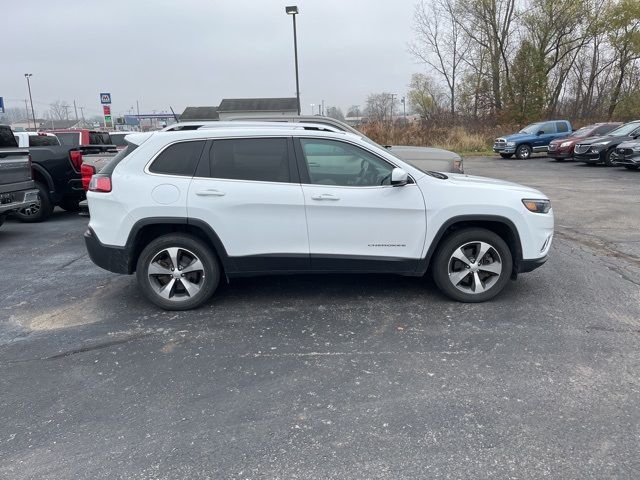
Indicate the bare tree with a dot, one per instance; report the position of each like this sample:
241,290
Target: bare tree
354,111
424,96
335,112
440,42
59,110
380,106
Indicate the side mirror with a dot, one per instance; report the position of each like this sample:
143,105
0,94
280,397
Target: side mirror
399,177
540,132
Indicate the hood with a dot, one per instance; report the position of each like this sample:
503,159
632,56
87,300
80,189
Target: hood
408,153
591,140
514,137
630,144
484,182
558,141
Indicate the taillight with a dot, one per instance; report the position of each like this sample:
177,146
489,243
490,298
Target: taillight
86,171
76,159
100,183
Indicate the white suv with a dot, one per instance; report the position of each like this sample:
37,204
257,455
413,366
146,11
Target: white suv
182,209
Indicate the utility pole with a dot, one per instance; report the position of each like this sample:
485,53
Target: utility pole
33,112
323,107
393,95
293,11
404,110
26,107
66,111
82,113
76,110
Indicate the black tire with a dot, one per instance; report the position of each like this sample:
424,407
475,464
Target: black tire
506,155
2,219
558,159
70,204
523,152
467,238
607,158
189,247
632,167
38,211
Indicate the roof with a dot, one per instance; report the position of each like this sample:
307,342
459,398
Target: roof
61,124
199,113
285,104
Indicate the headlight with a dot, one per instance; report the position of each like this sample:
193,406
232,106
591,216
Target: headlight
636,148
511,144
565,144
537,206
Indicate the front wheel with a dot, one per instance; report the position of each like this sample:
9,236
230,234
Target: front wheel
39,210
523,152
607,158
177,272
472,265
506,155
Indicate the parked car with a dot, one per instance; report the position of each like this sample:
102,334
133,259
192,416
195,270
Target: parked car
562,148
627,154
600,149
16,183
532,139
188,208
424,158
56,169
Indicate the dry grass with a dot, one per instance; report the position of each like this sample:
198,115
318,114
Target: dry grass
461,139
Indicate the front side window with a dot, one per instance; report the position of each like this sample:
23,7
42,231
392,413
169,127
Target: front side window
331,162
532,129
256,159
562,127
549,127
178,159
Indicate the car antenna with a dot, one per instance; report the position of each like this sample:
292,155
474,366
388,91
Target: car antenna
175,117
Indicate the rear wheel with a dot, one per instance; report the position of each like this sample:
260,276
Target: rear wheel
177,272
506,155
523,152
472,265
39,210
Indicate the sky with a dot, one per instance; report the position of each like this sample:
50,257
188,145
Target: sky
183,53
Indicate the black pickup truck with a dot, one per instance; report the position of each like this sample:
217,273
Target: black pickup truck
56,161
16,183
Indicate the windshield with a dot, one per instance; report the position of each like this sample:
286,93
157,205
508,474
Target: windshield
582,132
532,129
624,130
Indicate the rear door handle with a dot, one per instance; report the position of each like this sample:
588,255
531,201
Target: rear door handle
325,196
212,192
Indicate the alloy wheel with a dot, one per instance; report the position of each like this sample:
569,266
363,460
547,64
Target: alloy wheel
176,274
474,267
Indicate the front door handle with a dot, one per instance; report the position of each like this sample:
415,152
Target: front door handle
325,196
211,192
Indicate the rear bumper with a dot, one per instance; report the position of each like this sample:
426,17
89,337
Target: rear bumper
505,150
113,259
12,201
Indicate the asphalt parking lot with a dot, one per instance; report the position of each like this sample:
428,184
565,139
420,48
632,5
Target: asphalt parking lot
350,377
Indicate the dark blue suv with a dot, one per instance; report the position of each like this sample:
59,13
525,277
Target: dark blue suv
533,138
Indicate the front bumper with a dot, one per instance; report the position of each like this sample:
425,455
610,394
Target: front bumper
619,159
505,149
530,265
111,258
589,157
12,201
560,153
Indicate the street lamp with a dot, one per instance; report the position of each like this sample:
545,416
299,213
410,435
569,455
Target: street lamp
293,11
33,113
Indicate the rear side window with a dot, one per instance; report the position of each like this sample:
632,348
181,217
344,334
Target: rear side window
258,159
70,139
7,139
111,166
43,141
117,139
562,127
602,129
178,159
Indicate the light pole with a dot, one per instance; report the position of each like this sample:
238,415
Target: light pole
33,113
293,11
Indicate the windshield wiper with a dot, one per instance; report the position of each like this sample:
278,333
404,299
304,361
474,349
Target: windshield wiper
439,175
